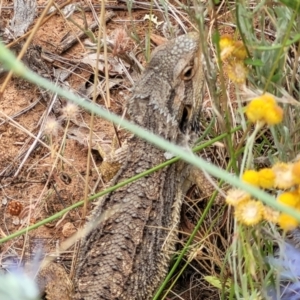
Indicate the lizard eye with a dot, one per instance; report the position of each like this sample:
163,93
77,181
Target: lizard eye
188,73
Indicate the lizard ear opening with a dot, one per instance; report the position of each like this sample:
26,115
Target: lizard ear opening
185,118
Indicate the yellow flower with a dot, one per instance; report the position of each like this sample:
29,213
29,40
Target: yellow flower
236,196
273,115
284,178
298,205
226,41
268,98
226,46
256,110
265,109
296,172
266,178
289,198
271,215
251,177
249,212
237,71
239,50
287,222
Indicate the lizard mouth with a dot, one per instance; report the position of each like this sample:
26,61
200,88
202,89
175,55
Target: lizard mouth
186,112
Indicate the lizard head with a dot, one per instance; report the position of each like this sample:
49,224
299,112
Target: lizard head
167,98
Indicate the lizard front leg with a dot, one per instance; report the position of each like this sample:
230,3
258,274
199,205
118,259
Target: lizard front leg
54,282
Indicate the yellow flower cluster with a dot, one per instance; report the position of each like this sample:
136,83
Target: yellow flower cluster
284,176
249,211
229,47
291,199
233,54
264,109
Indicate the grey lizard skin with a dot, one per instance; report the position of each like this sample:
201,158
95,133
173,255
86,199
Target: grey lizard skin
127,254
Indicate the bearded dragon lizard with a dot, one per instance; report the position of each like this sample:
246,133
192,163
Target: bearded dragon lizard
127,254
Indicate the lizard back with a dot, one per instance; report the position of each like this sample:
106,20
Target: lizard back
126,253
